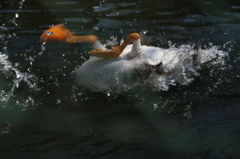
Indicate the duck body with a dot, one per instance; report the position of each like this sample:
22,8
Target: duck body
147,65
118,74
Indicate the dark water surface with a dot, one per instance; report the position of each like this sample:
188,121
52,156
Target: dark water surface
45,115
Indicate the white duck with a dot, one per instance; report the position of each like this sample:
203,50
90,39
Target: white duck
127,65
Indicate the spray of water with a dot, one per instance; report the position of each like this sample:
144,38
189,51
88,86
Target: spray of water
182,64
11,71
7,69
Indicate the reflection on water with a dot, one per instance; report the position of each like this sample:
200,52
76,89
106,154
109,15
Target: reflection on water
47,115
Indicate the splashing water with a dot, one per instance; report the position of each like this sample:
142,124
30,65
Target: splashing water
7,69
182,64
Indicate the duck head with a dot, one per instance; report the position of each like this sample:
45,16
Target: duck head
59,33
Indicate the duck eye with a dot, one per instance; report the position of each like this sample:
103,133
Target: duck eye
50,33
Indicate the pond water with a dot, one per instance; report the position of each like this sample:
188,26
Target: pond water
44,114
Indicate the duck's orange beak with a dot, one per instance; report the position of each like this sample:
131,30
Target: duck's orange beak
58,33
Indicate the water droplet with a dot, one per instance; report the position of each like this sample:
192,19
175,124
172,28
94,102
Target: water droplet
90,129
169,43
144,31
121,41
96,28
43,46
5,48
155,106
31,58
121,31
40,53
58,101
17,64
21,4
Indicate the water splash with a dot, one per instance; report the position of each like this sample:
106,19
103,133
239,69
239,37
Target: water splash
16,15
182,64
8,70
